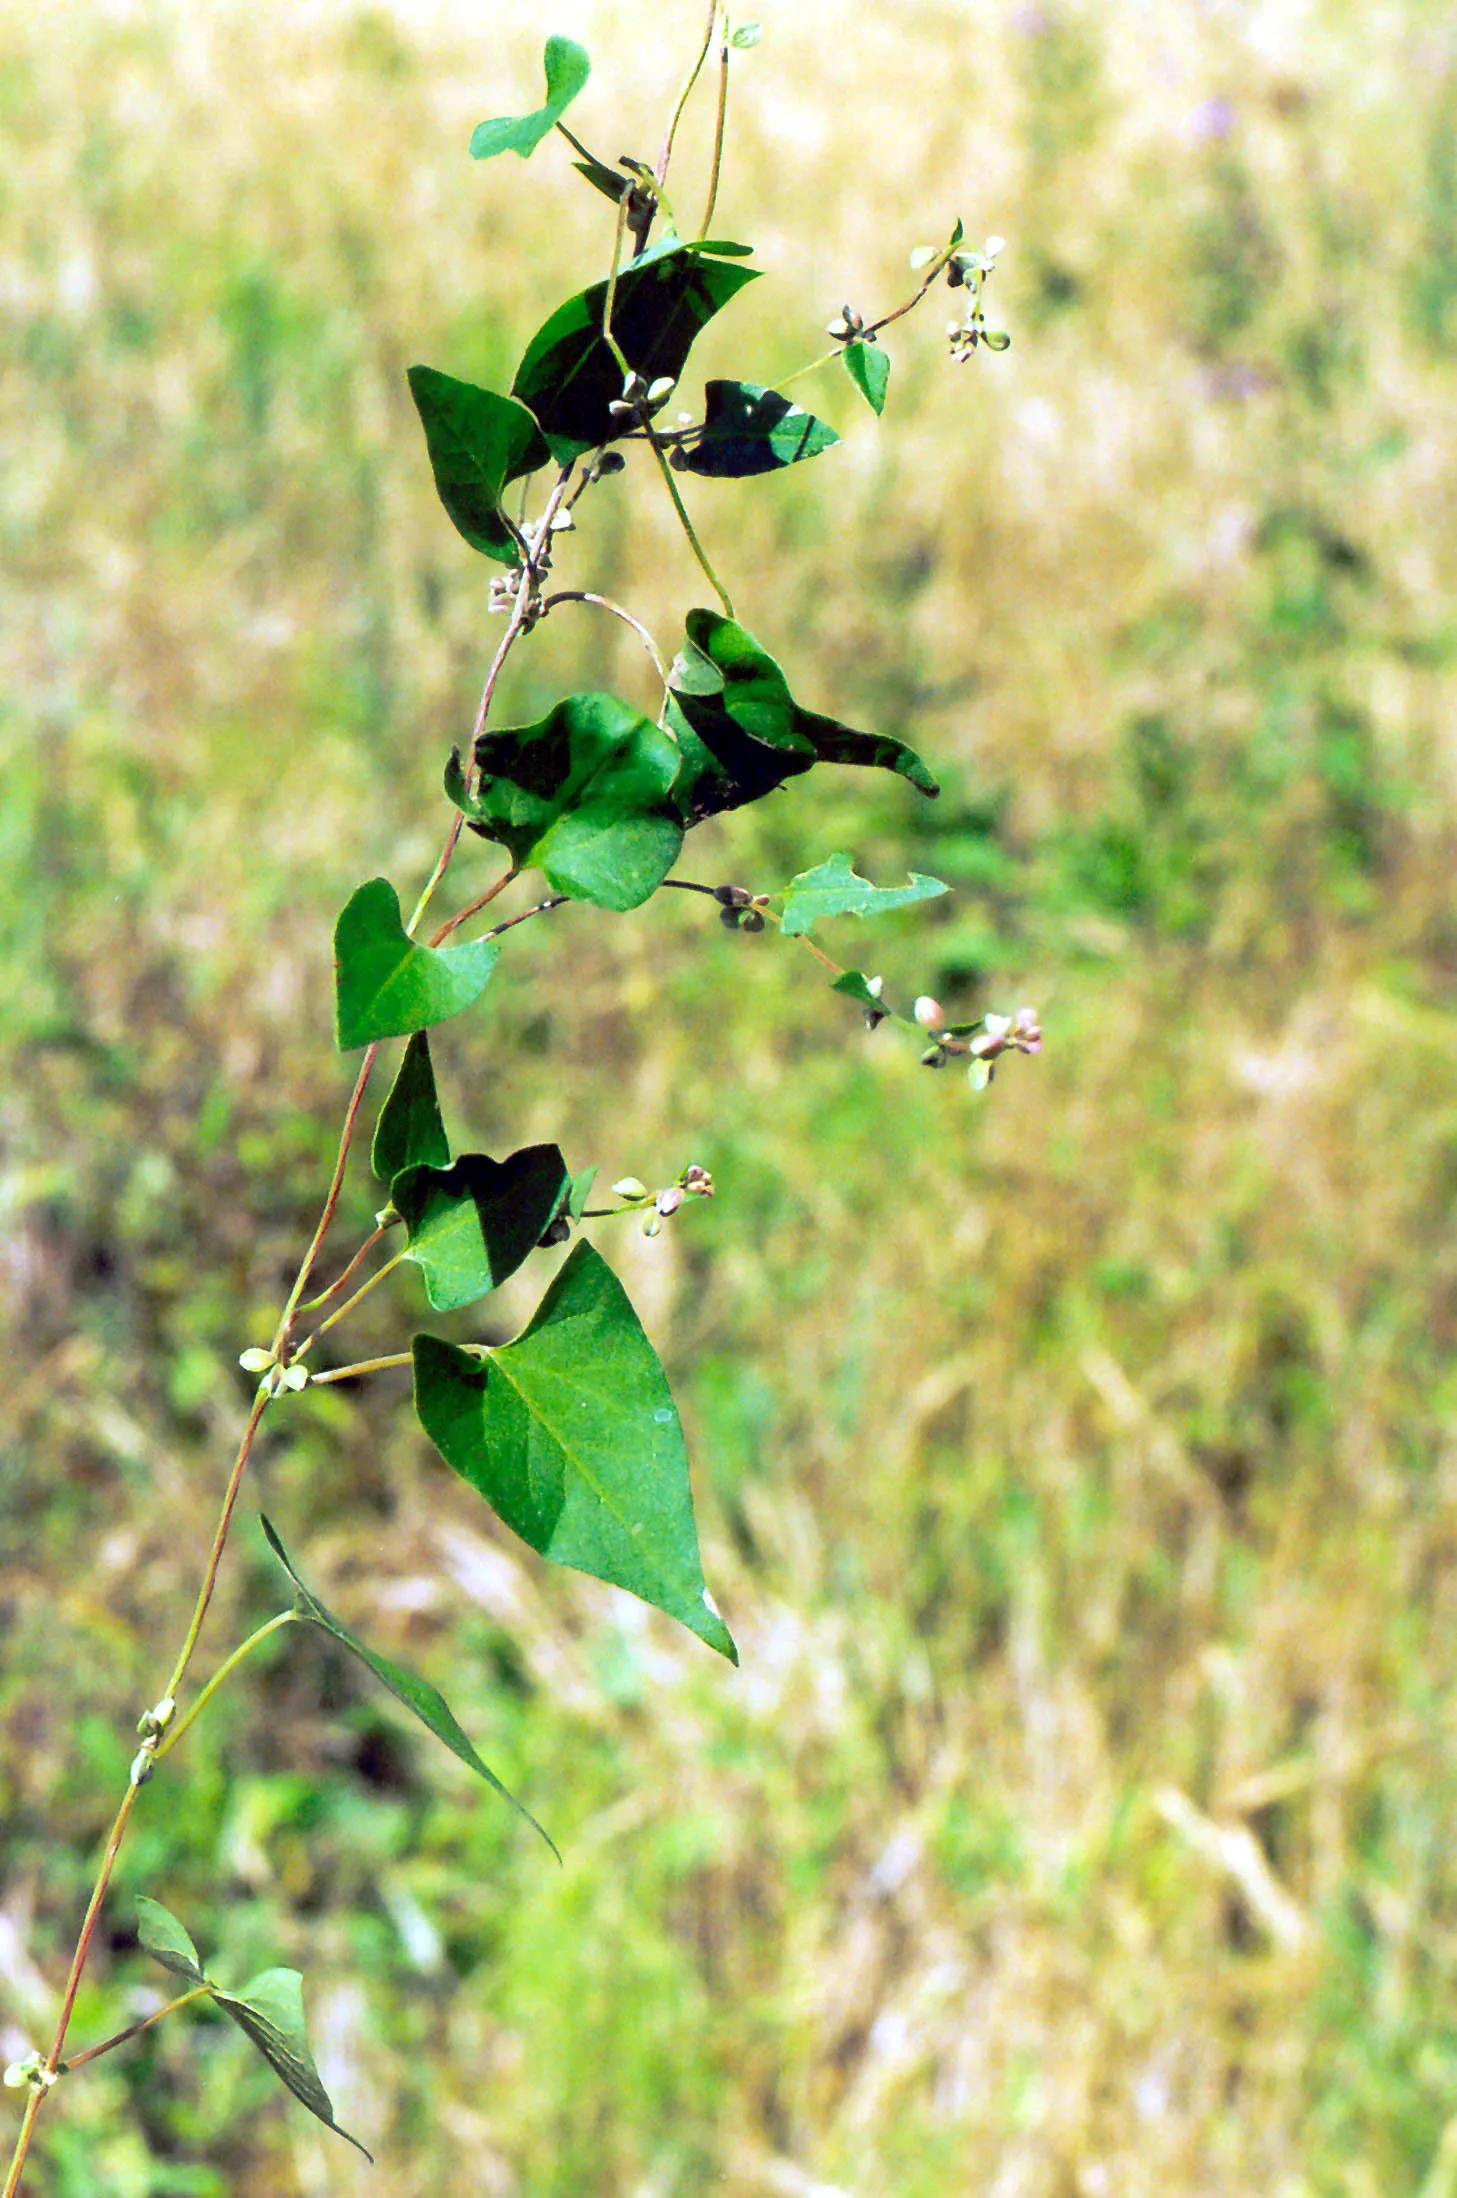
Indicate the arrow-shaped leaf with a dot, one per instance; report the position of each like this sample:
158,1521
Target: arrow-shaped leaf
270,2012
410,1131
164,1938
741,732
571,1434
569,375
417,1694
832,889
585,796
477,443
472,1224
748,429
567,69
385,986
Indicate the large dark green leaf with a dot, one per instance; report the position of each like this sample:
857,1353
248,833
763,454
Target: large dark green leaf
741,732
571,1434
569,376
164,1938
585,796
426,1702
832,889
567,70
748,429
385,986
410,1132
471,1225
270,2012
477,443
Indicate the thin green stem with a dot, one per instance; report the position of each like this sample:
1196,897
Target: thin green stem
346,1139
342,1311
714,172
382,1229
687,525
132,2030
245,1648
472,908
261,1403
365,1366
605,603
537,558
666,154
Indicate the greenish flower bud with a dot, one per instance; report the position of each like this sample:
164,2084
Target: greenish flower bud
630,1188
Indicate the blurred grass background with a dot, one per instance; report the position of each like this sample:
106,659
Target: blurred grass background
1075,1465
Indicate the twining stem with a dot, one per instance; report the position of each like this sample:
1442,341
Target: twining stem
311,1305
73,1984
521,611
683,97
350,1302
365,1366
132,2030
244,1648
713,174
472,908
261,1403
872,328
346,1139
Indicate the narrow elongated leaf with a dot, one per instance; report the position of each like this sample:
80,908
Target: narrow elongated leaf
741,733
410,1132
164,1938
832,889
477,443
567,69
585,796
869,369
603,179
270,2013
385,986
418,1695
571,1434
569,375
471,1225
748,429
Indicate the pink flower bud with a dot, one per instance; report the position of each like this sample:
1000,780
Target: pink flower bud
929,1013
670,1200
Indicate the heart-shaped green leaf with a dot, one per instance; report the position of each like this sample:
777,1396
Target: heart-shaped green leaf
585,796
471,1225
569,375
741,733
477,443
571,1434
270,2012
163,1937
417,1694
832,889
869,369
385,986
567,70
410,1132
748,429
